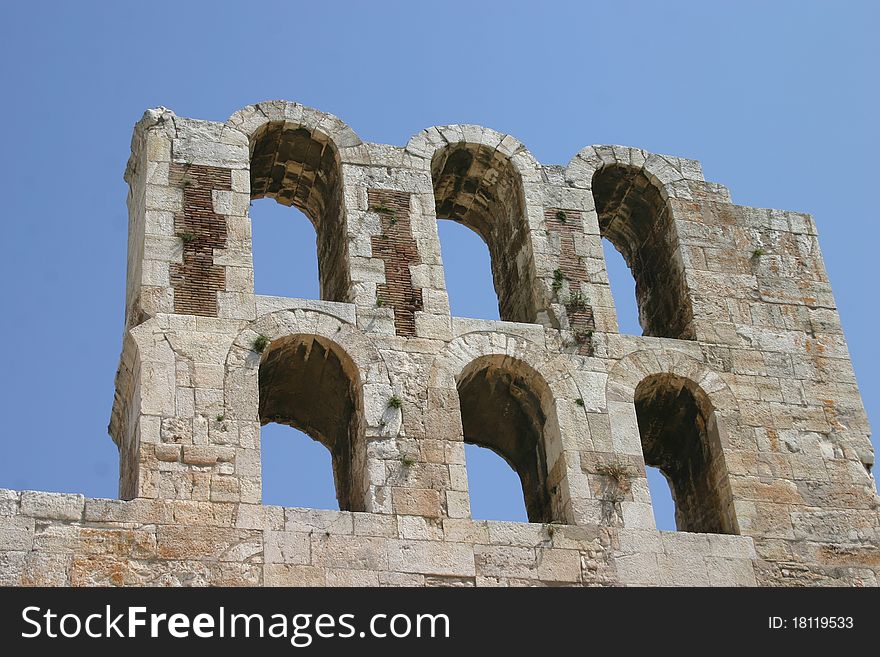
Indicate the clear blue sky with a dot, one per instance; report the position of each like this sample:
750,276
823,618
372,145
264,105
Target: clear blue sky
777,99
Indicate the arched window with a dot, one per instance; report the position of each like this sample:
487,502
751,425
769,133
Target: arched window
296,470
636,219
494,488
506,407
469,274
680,438
662,502
623,290
309,383
285,255
479,187
298,167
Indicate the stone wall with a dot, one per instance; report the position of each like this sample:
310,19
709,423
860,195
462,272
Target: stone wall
741,390
53,539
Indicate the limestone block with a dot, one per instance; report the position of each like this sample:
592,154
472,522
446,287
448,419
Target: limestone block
293,575
371,524
318,521
458,504
352,552
16,538
12,566
415,501
682,568
556,565
516,533
431,558
9,501
259,516
286,547
506,561
730,572
354,578
209,543
432,326
639,569
52,506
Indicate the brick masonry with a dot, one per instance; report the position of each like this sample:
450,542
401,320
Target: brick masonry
397,249
197,279
573,275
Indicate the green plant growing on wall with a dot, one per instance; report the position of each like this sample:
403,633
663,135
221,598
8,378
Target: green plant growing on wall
186,238
618,479
552,527
381,208
395,402
260,343
558,279
582,335
577,301
560,217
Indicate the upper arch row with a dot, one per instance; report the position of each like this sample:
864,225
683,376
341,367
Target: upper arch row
662,170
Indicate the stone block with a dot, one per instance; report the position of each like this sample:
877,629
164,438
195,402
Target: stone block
52,506
431,558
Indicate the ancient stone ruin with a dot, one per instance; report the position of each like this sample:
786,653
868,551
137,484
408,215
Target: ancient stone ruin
741,390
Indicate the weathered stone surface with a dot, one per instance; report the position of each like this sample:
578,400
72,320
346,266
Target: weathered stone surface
741,390
52,506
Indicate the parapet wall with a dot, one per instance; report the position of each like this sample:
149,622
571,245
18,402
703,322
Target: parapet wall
741,391
62,540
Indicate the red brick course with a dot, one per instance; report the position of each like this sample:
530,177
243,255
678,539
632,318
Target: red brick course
197,280
567,224
397,248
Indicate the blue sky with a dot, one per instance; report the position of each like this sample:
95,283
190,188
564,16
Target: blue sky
778,100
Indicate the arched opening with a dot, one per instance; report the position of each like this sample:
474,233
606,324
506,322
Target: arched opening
309,383
297,471
300,168
505,407
493,486
662,501
623,290
636,219
479,187
285,253
680,438
469,282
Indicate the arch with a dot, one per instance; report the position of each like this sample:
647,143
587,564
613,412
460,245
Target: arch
679,435
478,180
556,369
677,404
428,142
248,119
471,365
242,361
636,219
311,384
670,174
630,370
300,343
631,190
295,159
505,406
